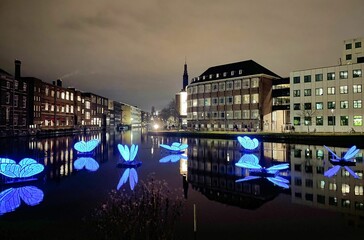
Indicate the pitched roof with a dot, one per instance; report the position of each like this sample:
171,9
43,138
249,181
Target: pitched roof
243,68
5,73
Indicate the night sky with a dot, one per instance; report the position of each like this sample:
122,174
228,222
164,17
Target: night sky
134,51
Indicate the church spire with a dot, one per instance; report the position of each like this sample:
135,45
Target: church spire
185,76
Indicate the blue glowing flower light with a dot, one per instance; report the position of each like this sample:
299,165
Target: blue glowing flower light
86,162
338,162
251,162
132,175
86,147
27,167
129,154
248,143
173,158
176,147
10,199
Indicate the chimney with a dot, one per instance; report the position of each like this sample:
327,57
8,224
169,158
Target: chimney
59,82
17,68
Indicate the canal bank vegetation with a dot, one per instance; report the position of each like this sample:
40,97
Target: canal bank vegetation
151,212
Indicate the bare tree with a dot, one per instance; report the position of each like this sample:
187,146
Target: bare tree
307,114
170,112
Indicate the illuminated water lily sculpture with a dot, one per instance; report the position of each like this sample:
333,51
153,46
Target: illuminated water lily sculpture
248,143
88,163
131,175
176,147
86,147
338,162
251,162
26,168
128,155
173,158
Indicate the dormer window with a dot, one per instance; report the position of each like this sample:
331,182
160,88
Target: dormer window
224,74
232,73
240,71
217,75
203,77
210,76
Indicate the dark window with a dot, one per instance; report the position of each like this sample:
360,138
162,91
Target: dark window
358,45
321,199
297,106
296,80
308,106
318,77
307,78
348,46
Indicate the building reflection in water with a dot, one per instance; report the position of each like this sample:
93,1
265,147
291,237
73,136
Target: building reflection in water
212,171
58,155
341,192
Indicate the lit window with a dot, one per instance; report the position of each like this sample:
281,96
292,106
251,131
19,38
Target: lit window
331,76
357,73
343,74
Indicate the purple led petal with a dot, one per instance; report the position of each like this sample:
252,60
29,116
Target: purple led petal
332,171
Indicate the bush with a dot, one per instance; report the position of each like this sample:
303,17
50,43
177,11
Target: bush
151,211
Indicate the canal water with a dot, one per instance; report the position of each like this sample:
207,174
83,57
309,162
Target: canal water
218,198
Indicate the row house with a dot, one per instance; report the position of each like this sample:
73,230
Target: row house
96,110
13,95
29,105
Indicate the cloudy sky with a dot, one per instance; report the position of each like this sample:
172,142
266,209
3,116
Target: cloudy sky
134,51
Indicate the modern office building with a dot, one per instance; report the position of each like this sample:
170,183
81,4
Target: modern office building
330,99
230,96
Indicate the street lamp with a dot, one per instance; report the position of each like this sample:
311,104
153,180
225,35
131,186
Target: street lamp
333,121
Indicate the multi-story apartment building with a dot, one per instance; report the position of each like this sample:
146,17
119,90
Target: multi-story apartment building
35,97
130,116
330,99
13,102
96,110
230,96
57,107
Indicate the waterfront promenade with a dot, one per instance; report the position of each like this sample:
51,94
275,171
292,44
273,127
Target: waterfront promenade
336,139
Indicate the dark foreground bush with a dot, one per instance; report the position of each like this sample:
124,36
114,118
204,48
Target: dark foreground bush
151,211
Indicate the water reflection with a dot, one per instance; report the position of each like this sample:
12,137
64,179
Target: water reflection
212,171
209,170
130,174
10,198
88,163
173,158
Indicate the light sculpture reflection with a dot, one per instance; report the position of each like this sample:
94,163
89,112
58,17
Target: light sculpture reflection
173,158
86,147
175,147
338,162
248,144
251,162
10,199
128,155
26,168
131,175
86,162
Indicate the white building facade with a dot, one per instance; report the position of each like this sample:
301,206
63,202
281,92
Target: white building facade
330,99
